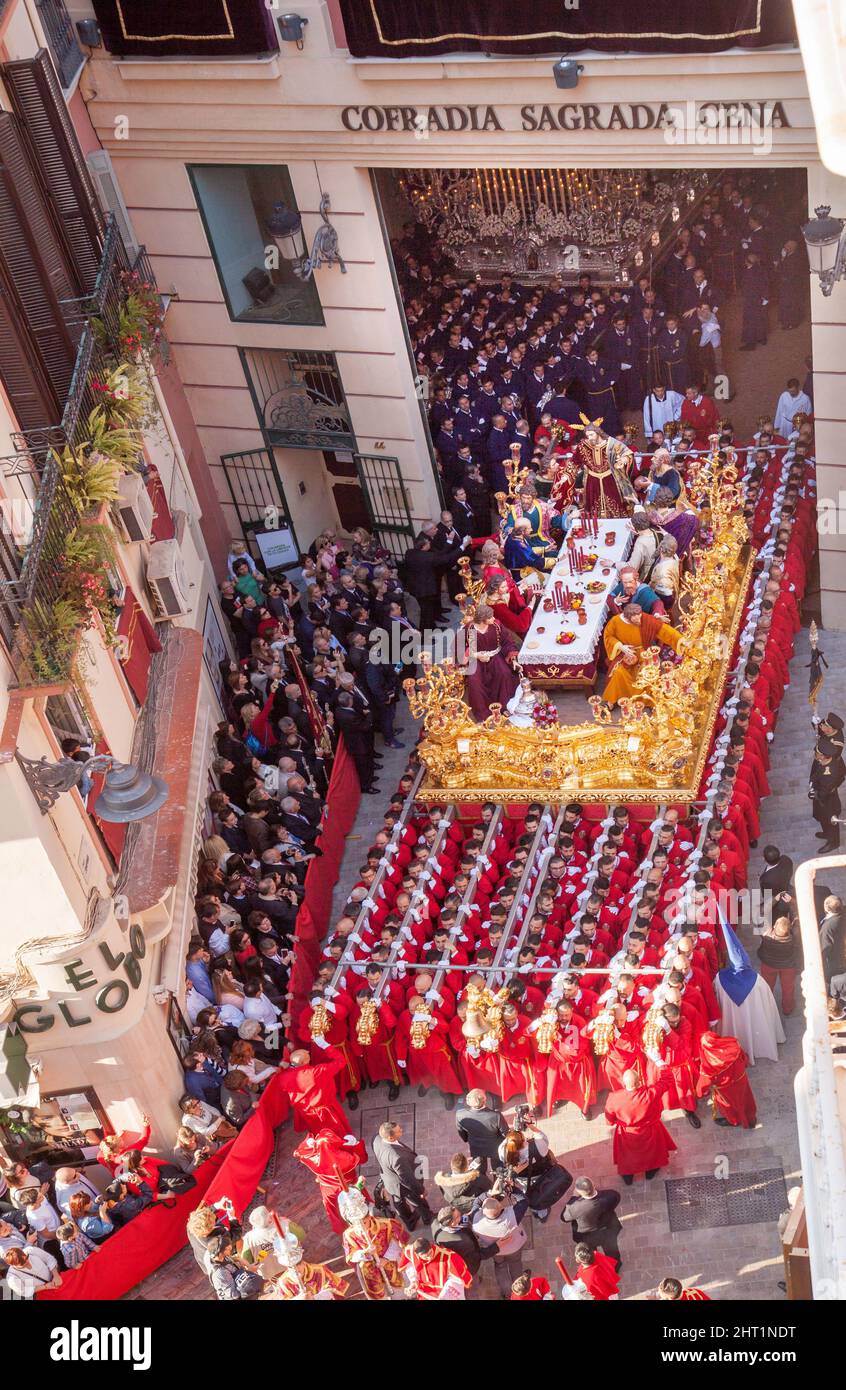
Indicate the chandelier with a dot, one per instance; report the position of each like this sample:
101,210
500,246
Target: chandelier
476,213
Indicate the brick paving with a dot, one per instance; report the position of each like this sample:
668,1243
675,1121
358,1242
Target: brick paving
740,1262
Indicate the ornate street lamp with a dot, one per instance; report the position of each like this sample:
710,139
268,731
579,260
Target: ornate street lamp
826,247
286,228
128,793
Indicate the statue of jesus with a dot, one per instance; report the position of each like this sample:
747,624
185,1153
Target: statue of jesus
604,461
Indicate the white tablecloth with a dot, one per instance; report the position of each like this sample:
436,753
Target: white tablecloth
540,647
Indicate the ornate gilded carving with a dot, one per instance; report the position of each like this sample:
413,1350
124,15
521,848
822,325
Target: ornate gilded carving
659,742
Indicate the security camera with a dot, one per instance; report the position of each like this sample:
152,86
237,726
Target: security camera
566,72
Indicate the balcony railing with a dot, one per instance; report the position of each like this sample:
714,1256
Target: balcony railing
38,513
58,27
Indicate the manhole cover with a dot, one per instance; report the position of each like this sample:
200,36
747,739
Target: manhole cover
742,1199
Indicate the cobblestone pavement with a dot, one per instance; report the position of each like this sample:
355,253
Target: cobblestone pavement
729,1262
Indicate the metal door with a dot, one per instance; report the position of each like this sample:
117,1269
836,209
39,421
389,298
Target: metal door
387,501
261,507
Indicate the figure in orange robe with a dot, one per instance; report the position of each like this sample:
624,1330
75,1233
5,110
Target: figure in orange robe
722,1069
641,1143
625,638
335,1164
600,1276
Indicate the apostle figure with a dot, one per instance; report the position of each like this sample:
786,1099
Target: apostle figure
519,556
641,1144
722,1070
604,463
302,1282
373,1244
334,1161
529,507
625,637
492,657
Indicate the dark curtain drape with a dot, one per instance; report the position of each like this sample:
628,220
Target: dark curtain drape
412,28
195,28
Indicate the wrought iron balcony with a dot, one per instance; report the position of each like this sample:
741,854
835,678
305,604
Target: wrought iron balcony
37,513
65,51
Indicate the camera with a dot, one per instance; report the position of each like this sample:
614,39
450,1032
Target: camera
524,1117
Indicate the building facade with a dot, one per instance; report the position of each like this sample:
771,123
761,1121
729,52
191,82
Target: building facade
110,633
275,405
200,146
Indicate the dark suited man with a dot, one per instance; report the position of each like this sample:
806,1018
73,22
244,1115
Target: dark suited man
480,1127
357,730
827,776
450,1233
423,569
832,942
447,537
399,1173
593,1218
296,823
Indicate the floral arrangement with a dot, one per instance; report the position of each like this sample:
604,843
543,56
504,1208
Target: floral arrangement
544,714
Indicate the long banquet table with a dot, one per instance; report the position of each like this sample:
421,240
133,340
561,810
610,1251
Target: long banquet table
544,660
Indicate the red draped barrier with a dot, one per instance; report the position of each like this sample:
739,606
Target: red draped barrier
342,801
137,1250
147,1242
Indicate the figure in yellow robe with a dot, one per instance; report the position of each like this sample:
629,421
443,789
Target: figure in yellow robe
624,637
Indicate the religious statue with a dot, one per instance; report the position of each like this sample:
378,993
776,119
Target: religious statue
541,517
373,1244
491,677
604,463
625,637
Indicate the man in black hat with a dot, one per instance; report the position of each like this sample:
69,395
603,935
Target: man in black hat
831,728
827,776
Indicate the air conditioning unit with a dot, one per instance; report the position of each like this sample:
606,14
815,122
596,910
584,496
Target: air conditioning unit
167,581
135,506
